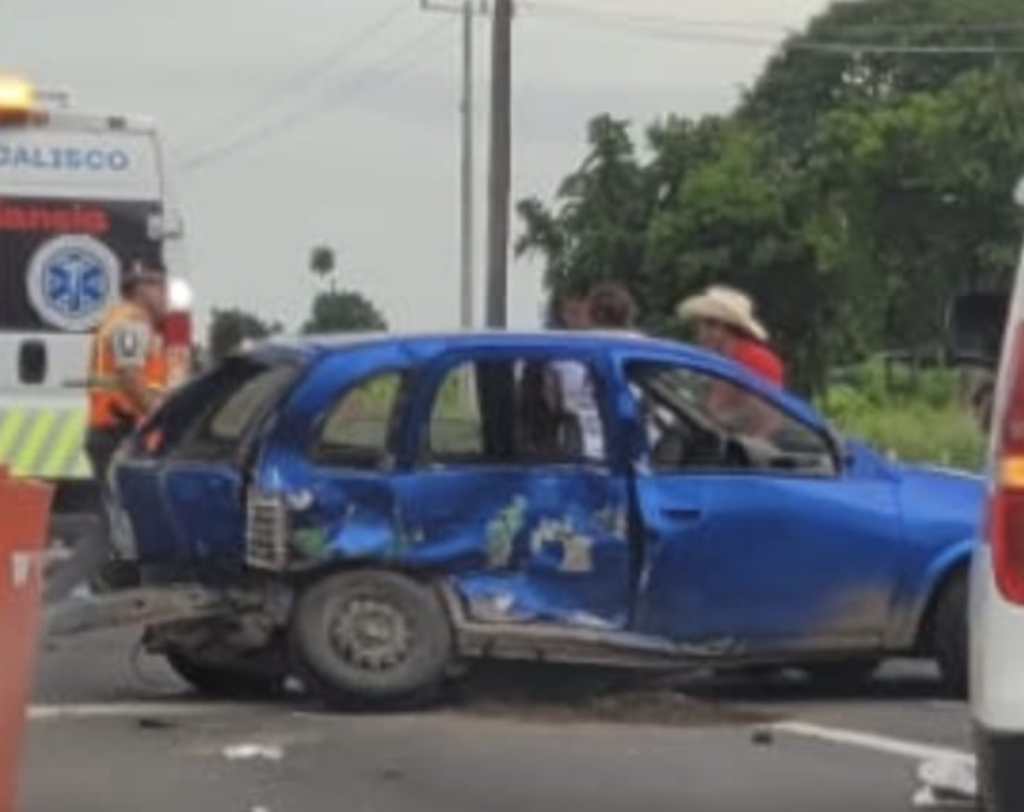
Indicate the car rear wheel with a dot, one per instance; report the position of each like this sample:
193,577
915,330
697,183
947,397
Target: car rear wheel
950,635
371,639
845,676
226,680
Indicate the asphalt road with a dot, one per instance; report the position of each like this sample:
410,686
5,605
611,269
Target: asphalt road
107,735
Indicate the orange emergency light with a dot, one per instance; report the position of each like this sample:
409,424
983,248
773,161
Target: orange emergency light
17,96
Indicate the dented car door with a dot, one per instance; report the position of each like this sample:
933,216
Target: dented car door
528,502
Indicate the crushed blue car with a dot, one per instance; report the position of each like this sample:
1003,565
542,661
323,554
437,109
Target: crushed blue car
379,511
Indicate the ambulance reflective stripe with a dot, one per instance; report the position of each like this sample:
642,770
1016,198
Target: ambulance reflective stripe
44,443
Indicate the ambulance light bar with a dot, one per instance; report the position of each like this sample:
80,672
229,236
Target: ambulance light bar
17,95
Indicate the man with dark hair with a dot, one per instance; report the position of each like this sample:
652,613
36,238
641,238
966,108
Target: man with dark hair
611,307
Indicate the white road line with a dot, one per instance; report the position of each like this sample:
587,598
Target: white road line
115,710
912,751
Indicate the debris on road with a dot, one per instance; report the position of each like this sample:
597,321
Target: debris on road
250,751
150,723
947,784
763,736
531,692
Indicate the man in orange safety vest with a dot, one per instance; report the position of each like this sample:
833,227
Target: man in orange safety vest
127,366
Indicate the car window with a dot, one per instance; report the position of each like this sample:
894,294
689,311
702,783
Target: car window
239,411
517,411
208,419
456,427
357,430
696,420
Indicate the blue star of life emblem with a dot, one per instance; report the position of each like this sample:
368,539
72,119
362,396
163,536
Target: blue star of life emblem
76,284
72,282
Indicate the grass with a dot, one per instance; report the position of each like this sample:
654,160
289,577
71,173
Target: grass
921,434
921,420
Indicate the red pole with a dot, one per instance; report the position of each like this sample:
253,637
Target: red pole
24,520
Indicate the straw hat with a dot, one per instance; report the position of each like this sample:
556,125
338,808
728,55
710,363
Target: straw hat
726,305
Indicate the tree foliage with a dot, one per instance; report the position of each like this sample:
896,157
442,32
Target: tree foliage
343,312
852,193
323,262
229,329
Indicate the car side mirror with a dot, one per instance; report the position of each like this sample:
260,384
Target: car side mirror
974,329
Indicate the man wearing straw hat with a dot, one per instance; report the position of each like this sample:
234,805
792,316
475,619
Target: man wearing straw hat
726,323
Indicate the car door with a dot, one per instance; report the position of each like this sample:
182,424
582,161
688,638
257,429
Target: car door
180,484
521,499
756,537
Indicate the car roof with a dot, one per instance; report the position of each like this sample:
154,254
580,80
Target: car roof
473,339
428,343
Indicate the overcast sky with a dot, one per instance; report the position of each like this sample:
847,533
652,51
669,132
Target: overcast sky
365,156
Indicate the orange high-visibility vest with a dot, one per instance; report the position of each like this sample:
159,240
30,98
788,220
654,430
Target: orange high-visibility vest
109,406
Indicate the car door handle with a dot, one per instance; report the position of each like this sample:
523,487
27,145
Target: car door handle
681,514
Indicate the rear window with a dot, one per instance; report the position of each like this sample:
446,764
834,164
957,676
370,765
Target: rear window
242,408
210,418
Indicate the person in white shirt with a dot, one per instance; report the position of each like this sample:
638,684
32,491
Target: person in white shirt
608,307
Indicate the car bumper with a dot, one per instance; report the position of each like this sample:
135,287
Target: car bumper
1001,770
997,654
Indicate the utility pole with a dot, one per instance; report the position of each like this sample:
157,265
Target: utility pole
501,165
467,294
468,165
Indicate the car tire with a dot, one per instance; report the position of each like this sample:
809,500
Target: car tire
845,676
225,681
950,636
371,639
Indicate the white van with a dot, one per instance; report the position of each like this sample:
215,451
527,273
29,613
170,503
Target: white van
997,592
83,197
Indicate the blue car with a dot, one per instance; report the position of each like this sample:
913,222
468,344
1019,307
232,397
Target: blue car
381,510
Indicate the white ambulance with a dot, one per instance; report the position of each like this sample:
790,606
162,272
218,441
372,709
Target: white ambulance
83,197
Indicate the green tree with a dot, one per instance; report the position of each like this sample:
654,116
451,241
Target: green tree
820,70
915,198
229,329
853,192
323,262
343,312
596,232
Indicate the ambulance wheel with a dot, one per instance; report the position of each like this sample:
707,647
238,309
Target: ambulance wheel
370,639
226,680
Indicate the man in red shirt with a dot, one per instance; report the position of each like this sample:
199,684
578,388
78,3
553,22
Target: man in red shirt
725,322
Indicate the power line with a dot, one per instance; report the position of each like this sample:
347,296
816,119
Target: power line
679,32
643,18
392,67
674,20
285,90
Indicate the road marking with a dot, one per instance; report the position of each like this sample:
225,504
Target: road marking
912,751
116,710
